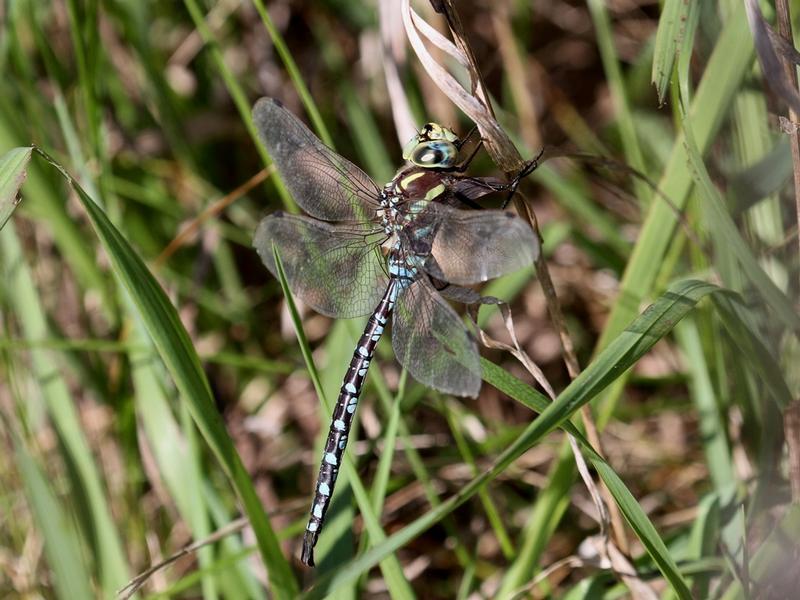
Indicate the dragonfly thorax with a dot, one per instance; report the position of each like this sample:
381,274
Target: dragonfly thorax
405,196
389,214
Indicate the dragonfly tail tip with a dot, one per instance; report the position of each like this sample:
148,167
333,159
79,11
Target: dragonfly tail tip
307,555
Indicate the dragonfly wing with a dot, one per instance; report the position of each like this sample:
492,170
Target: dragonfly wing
335,269
323,183
470,247
432,342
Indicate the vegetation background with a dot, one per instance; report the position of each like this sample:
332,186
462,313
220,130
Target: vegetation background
119,429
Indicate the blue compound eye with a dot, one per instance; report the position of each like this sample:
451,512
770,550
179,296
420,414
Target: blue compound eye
436,154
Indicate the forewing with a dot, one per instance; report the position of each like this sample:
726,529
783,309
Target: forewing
432,342
474,246
336,270
323,183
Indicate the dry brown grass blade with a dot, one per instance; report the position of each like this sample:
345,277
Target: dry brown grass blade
514,348
518,76
211,211
137,582
609,549
553,577
393,48
478,88
791,425
573,367
590,556
785,35
767,52
497,142
622,565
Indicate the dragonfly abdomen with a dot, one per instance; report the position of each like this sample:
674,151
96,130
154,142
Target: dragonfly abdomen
343,414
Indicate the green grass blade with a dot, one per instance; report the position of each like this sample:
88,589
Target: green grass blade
729,62
628,505
683,72
551,504
619,356
422,475
13,166
294,74
774,559
703,538
45,202
712,426
305,348
61,540
84,32
669,37
577,199
616,83
779,304
760,360
177,463
175,348
489,506
237,94
727,66
630,508
383,471
135,22
243,576
641,525
85,481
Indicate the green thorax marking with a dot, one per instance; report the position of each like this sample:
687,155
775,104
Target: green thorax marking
419,183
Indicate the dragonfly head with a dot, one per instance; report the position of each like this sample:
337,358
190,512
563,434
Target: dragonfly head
433,147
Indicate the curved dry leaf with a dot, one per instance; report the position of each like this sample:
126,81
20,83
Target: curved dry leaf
441,42
497,142
404,124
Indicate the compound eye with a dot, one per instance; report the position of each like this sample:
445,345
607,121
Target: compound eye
438,154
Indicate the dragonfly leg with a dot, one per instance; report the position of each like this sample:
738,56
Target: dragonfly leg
465,144
528,168
470,189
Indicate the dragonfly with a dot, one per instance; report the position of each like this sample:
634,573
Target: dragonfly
395,251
